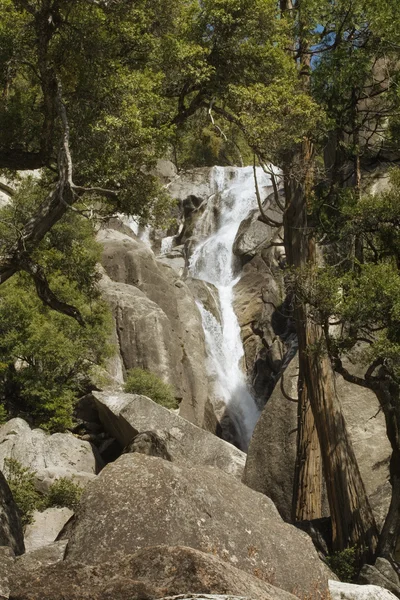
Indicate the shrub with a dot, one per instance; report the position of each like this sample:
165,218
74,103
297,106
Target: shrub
343,563
63,492
22,485
148,384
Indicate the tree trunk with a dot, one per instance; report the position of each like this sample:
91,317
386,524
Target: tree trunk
352,520
307,491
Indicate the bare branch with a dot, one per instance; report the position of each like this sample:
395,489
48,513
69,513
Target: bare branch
264,216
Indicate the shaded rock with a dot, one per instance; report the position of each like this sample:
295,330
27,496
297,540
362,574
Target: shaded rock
257,295
41,557
50,456
149,573
381,574
207,294
125,415
253,235
11,534
199,507
158,324
349,591
271,456
366,424
45,527
148,443
7,560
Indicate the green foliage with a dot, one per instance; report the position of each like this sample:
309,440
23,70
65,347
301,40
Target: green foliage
63,492
343,563
143,382
46,358
22,485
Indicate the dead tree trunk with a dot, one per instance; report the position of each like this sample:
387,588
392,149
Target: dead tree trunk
352,520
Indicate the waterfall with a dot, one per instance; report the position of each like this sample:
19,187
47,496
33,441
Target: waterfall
214,262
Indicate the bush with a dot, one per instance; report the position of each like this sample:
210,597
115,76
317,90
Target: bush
343,563
22,485
148,384
63,492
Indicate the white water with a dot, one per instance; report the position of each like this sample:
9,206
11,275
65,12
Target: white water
214,262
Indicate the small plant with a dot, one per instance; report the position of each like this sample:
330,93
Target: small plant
343,563
21,481
148,384
63,492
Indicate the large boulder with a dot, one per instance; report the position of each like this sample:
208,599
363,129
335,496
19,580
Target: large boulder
382,574
141,501
45,527
271,456
349,591
11,533
125,415
157,321
149,573
49,456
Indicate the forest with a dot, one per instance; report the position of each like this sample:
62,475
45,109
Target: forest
94,92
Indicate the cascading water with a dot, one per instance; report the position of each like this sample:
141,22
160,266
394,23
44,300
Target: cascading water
214,262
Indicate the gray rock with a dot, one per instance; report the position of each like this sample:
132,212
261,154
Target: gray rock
11,534
45,527
272,451
349,591
125,415
258,295
139,501
366,424
148,443
41,557
157,321
7,560
271,454
252,236
207,294
49,456
381,574
149,573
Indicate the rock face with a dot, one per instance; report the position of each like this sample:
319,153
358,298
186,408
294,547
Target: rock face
149,573
45,527
258,298
125,415
157,321
140,501
11,533
382,574
271,456
50,456
348,591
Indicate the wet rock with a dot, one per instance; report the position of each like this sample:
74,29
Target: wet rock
125,415
45,527
140,501
49,456
153,572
